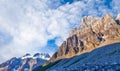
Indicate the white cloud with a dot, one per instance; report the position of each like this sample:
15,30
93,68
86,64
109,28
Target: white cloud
31,23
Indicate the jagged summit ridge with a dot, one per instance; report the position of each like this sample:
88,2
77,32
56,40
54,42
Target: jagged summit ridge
87,21
90,21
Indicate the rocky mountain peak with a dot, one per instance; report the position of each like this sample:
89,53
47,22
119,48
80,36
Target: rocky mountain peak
107,16
27,54
87,21
24,63
108,19
36,55
92,33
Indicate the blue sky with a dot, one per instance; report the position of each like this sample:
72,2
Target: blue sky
30,26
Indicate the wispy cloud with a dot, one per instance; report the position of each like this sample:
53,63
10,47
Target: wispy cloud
28,25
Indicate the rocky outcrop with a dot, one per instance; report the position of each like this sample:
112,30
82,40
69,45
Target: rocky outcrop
92,33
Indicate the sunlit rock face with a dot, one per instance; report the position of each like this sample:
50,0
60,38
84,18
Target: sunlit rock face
92,33
25,63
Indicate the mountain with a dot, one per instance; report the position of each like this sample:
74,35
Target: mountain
25,63
91,34
92,41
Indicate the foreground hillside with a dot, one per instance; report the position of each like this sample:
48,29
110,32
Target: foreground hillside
105,58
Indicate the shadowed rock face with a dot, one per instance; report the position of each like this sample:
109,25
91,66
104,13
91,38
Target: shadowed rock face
93,32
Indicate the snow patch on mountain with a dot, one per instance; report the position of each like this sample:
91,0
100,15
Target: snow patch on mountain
44,56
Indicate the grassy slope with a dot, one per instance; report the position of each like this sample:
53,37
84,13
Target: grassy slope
43,68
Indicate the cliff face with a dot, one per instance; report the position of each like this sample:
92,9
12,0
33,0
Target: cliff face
92,33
